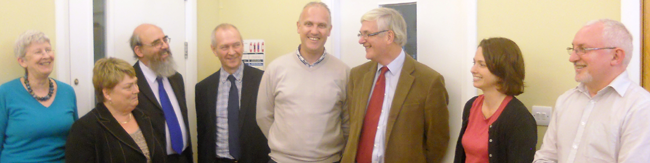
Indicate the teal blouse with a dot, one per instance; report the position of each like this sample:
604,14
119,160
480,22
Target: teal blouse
31,132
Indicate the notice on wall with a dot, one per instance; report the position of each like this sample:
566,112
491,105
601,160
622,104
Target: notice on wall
254,51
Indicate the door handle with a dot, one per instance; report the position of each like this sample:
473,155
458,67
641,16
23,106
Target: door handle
76,81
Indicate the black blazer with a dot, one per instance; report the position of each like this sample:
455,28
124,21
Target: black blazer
254,146
514,134
98,137
149,104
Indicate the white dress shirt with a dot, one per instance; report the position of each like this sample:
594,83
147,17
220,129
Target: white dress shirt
612,126
153,84
392,77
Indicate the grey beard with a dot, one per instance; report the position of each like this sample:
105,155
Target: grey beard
163,68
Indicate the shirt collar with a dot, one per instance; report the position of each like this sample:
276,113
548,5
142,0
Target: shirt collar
302,59
395,65
148,73
223,75
619,84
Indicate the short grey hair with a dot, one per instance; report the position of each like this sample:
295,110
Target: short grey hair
135,41
314,4
223,26
388,19
27,38
616,35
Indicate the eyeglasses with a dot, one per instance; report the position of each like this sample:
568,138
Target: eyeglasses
159,42
581,51
365,36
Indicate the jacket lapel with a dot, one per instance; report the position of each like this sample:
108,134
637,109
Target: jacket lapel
403,88
144,85
246,98
211,97
364,94
144,122
106,119
178,88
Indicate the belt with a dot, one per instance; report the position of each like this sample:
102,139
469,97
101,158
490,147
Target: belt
226,160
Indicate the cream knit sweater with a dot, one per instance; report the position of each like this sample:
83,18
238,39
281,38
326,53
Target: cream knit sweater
301,110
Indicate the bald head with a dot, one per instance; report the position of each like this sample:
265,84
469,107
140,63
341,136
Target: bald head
136,37
221,27
315,4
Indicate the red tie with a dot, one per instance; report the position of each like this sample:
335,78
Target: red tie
367,141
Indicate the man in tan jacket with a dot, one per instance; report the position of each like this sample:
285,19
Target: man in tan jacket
397,106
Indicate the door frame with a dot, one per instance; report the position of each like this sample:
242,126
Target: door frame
77,16
645,44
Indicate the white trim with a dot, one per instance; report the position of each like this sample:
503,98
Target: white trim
191,66
333,45
631,18
62,21
468,89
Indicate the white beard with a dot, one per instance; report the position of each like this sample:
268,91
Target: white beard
162,68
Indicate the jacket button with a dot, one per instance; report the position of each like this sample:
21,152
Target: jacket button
490,126
490,140
490,155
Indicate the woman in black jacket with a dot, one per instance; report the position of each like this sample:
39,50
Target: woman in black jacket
497,127
115,131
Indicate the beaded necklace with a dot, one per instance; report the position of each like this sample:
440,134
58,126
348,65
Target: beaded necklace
31,92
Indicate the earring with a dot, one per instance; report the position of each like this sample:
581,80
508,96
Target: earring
110,101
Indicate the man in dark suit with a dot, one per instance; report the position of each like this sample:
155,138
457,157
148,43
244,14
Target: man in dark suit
397,106
225,105
162,91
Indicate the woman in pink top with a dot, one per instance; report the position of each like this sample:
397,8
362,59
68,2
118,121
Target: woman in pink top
497,127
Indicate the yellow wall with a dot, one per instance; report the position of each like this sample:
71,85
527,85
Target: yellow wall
543,30
17,16
273,21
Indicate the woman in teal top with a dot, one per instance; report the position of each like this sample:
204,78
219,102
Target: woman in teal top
36,112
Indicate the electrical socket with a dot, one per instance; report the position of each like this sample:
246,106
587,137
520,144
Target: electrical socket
542,115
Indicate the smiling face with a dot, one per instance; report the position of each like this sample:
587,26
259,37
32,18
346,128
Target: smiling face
229,48
374,45
594,64
124,95
314,27
482,77
154,46
38,59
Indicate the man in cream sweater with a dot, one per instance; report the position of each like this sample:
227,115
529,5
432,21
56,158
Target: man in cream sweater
300,104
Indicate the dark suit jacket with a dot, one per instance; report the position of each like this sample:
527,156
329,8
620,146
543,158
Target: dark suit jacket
514,134
98,137
254,146
418,122
148,103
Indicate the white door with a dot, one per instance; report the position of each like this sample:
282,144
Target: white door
122,17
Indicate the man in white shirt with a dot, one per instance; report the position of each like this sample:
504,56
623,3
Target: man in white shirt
605,118
162,91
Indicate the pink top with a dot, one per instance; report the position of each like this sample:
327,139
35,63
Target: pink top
475,139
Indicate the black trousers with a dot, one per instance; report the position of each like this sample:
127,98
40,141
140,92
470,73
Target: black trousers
185,157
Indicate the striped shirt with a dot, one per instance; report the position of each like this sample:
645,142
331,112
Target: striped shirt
222,109
302,59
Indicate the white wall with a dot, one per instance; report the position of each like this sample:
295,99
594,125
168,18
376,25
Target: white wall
631,17
446,43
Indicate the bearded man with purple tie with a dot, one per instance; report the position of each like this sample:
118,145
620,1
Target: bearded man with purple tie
162,91
397,106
